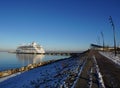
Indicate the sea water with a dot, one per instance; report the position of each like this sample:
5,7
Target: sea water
12,60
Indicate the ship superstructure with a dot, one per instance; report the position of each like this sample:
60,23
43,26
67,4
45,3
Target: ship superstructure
30,48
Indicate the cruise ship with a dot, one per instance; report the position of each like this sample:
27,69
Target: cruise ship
32,48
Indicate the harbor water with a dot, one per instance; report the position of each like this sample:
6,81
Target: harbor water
12,60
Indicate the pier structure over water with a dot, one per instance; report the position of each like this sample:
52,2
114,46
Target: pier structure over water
61,53
54,53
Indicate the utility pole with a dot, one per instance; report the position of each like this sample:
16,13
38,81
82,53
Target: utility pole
111,21
103,40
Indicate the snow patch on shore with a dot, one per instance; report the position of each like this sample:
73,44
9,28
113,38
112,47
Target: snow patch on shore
5,78
58,74
112,57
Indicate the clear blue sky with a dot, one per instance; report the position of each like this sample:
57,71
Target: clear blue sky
58,24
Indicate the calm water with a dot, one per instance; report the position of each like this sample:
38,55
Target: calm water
9,60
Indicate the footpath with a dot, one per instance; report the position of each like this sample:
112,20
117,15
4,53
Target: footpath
99,72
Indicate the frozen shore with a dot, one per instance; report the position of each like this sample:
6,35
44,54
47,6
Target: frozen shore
112,57
62,73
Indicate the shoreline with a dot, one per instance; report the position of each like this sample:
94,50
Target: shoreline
62,72
9,72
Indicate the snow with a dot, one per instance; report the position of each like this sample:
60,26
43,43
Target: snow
112,57
90,78
5,78
59,74
73,86
100,79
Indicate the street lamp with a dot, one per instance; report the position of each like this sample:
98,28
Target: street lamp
111,21
103,40
98,40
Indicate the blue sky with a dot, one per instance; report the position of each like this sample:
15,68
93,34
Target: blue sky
58,24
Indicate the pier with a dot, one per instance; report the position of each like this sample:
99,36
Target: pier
54,53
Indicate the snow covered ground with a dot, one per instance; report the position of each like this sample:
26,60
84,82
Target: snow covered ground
56,75
111,56
100,79
7,77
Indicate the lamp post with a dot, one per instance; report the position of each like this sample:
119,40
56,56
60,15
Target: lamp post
98,40
111,21
103,40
